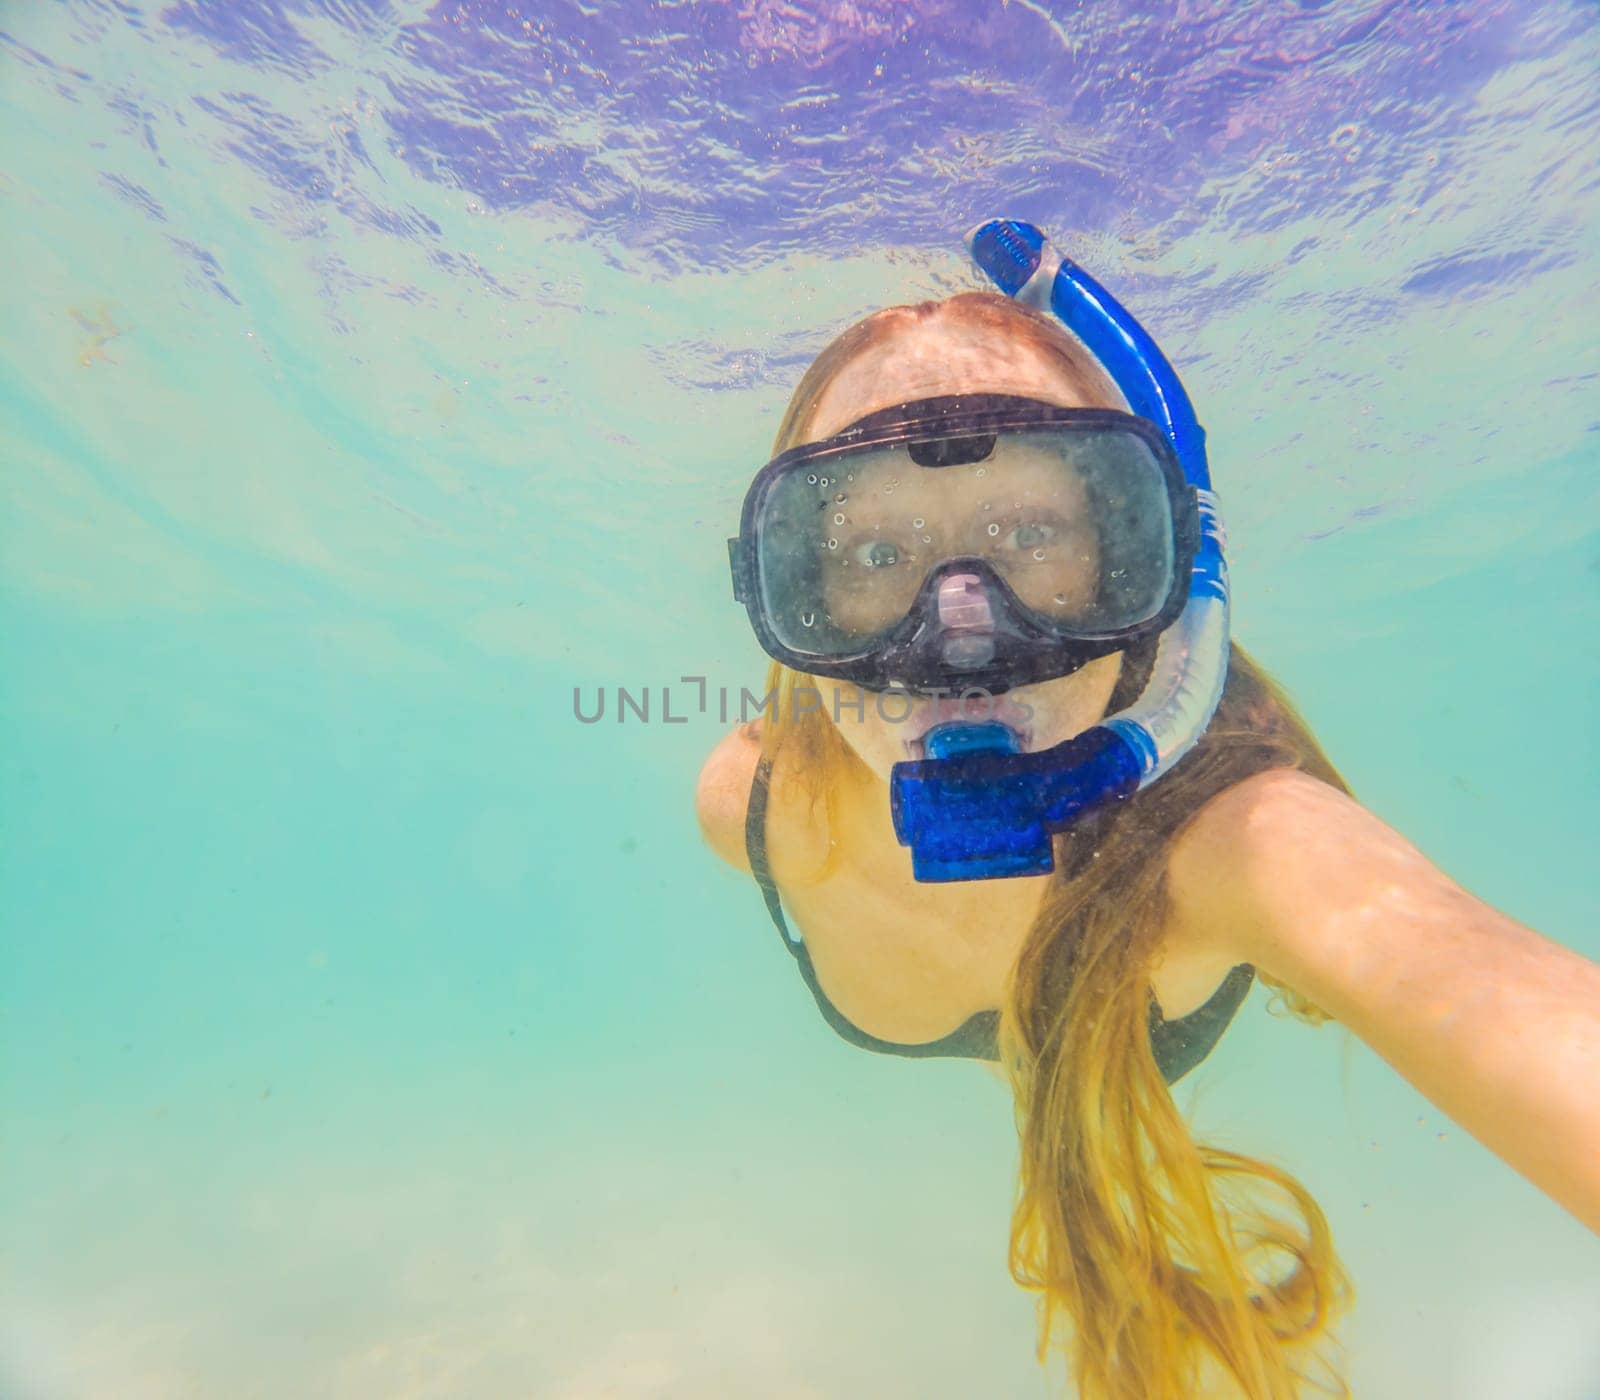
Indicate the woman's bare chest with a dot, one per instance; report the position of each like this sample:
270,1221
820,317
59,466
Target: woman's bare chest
910,962
907,961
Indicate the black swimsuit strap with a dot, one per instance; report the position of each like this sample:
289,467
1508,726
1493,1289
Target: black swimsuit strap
975,1038
1178,1045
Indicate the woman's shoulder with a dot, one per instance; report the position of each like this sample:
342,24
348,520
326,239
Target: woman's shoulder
796,840
722,794
1242,840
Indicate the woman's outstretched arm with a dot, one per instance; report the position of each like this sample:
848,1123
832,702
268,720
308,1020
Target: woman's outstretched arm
1498,1026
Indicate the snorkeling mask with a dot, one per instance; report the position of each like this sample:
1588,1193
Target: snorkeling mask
970,544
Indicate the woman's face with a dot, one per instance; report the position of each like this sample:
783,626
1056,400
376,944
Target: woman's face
1044,551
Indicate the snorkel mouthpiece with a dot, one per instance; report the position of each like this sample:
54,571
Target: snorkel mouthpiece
984,736
974,808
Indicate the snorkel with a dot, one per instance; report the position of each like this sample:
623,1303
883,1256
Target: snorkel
976,809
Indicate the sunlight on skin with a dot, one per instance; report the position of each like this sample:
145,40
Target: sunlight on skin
1497,1025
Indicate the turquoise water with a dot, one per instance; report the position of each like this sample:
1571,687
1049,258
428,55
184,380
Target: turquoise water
372,1028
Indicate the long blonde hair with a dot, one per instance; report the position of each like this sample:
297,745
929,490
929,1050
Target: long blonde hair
1173,1263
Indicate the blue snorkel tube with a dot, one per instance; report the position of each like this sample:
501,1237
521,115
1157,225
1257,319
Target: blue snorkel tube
974,808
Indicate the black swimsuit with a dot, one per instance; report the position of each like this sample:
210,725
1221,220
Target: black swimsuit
1178,1045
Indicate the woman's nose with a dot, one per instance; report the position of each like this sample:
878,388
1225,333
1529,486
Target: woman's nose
964,604
967,621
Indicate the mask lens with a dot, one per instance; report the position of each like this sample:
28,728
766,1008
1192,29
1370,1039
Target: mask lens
1077,523
1084,536
843,549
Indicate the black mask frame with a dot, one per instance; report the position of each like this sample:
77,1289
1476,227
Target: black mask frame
1029,647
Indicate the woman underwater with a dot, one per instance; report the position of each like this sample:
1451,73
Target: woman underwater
987,563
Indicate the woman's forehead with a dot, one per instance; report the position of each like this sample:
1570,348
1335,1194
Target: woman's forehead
932,358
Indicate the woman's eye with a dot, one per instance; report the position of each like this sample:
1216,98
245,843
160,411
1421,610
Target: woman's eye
1030,536
876,554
